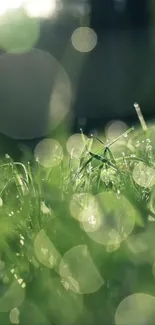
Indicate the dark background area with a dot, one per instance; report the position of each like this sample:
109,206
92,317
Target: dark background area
119,71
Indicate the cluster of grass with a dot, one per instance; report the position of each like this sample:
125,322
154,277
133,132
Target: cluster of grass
77,239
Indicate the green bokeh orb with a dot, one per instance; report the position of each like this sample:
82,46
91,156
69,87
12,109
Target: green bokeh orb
18,32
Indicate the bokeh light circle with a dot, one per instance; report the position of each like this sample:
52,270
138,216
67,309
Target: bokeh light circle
14,316
78,270
142,245
151,203
80,202
9,4
84,39
45,251
32,314
12,298
65,305
61,97
153,269
18,32
75,145
136,309
48,153
90,217
116,219
44,8
139,244
114,129
143,175
36,94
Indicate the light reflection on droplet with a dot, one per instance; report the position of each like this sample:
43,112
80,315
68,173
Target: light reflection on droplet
20,281
45,251
22,242
108,176
76,142
144,175
65,284
49,153
136,309
78,270
45,209
23,285
92,220
84,39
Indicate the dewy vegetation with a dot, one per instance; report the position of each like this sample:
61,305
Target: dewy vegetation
77,232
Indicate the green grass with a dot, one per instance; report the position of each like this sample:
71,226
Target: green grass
78,238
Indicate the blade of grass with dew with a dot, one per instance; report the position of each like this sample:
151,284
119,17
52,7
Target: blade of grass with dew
140,117
121,136
106,150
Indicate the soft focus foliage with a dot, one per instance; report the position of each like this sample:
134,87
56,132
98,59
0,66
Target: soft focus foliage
77,232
